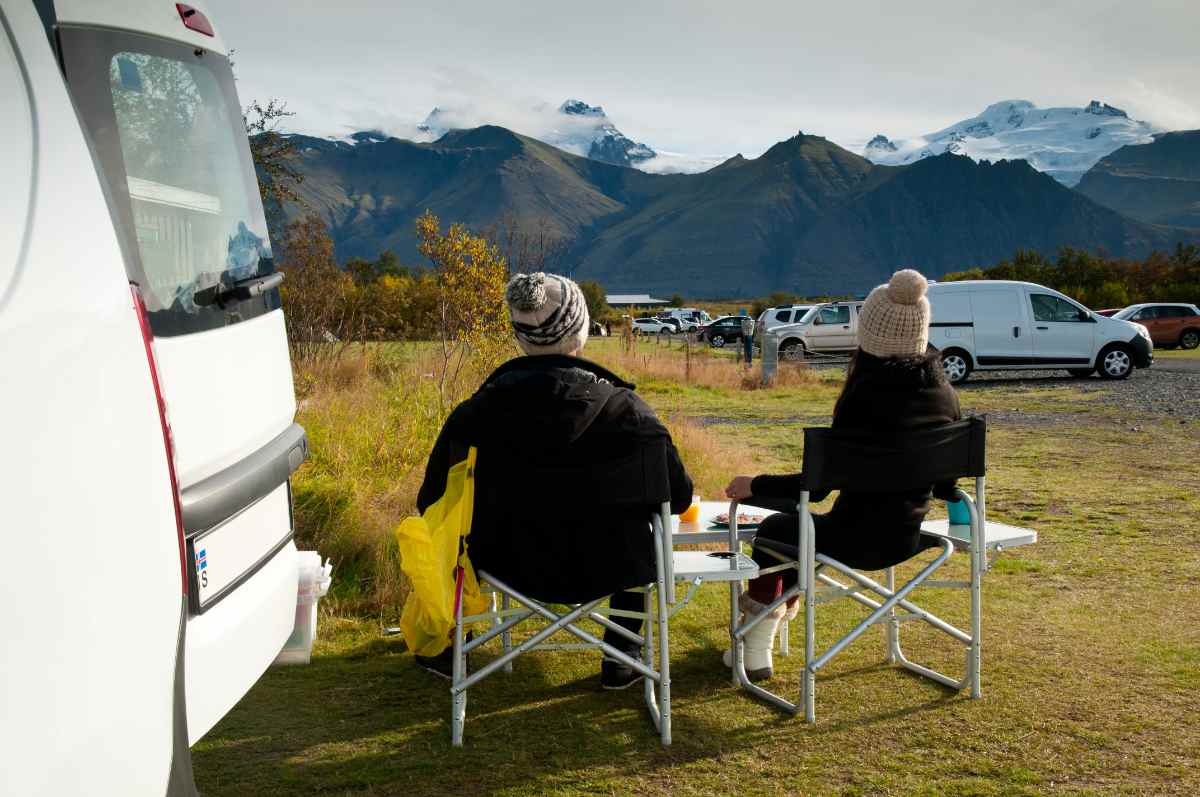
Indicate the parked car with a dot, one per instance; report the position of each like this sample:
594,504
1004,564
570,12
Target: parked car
148,407
827,329
726,329
783,314
690,318
1112,311
1171,324
997,325
651,326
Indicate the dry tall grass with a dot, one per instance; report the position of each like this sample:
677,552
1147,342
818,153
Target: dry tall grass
675,361
372,416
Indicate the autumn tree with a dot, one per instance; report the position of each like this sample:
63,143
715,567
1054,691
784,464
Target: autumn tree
322,305
472,320
597,300
527,245
275,157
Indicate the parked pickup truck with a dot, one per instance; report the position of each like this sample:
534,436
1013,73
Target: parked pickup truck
827,328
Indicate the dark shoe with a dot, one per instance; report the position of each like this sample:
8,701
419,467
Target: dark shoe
443,663
616,675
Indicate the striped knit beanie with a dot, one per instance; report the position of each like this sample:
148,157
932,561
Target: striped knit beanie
894,321
548,312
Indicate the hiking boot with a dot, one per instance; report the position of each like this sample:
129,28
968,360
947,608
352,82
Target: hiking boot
443,663
758,643
618,675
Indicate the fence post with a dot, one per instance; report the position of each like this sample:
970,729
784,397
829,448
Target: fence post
770,356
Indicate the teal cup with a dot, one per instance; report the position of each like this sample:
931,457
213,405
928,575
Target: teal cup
959,514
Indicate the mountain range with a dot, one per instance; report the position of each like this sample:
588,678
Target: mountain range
806,216
1062,142
573,126
1158,183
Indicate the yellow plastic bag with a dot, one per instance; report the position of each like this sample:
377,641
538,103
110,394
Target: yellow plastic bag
429,556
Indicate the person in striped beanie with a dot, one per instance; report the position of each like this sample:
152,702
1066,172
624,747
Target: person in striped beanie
548,312
562,493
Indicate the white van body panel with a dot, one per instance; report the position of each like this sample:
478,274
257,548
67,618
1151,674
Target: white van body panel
255,618
153,17
91,603
951,322
220,418
16,163
1001,324
1062,341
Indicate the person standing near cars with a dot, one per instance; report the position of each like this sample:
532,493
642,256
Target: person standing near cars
748,337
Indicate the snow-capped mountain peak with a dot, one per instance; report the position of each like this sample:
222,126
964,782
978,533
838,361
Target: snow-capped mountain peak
586,130
1062,142
574,107
880,143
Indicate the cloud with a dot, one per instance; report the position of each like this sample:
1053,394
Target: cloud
1160,108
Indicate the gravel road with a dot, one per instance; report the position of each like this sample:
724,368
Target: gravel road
1172,392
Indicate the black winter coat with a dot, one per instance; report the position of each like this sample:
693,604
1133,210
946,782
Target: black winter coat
571,465
884,396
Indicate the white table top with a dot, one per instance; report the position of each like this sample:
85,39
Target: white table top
698,532
702,564
997,535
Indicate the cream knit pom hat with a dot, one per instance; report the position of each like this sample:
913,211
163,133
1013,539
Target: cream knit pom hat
894,321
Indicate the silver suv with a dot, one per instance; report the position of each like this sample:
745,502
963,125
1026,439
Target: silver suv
827,328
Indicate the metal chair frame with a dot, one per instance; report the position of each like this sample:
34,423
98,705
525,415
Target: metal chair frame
882,599
659,605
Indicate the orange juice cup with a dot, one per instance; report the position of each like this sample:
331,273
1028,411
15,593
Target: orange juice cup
692,513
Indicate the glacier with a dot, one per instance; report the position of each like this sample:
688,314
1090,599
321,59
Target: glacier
1062,142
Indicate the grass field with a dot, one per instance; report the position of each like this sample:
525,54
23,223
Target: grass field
1091,673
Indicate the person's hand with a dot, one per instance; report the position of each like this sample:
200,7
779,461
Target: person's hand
739,488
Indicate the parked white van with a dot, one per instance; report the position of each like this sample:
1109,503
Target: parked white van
689,318
147,412
996,325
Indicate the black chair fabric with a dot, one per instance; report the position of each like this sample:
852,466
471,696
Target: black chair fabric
865,462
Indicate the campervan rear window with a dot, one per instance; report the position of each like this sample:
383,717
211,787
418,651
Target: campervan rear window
167,130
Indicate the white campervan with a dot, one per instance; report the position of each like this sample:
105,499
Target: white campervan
147,413
997,325
688,318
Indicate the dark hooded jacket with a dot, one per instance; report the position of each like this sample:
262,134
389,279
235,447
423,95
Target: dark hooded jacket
571,465
884,396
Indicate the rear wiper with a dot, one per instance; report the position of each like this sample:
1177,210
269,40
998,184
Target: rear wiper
221,293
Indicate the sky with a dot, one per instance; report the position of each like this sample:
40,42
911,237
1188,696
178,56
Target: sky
713,78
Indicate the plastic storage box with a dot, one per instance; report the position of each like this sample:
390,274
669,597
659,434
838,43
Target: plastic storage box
312,584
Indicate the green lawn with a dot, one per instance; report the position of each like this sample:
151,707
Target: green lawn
1178,354
1091,673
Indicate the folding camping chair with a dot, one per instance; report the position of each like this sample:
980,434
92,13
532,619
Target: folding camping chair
659,605
838,460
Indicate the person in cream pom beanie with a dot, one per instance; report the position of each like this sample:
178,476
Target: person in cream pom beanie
548,312
894,321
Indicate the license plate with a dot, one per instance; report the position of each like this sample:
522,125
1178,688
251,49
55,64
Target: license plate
226,555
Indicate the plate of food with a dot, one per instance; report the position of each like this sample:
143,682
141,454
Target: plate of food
745,520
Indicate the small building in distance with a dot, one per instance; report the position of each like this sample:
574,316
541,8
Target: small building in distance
627,300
